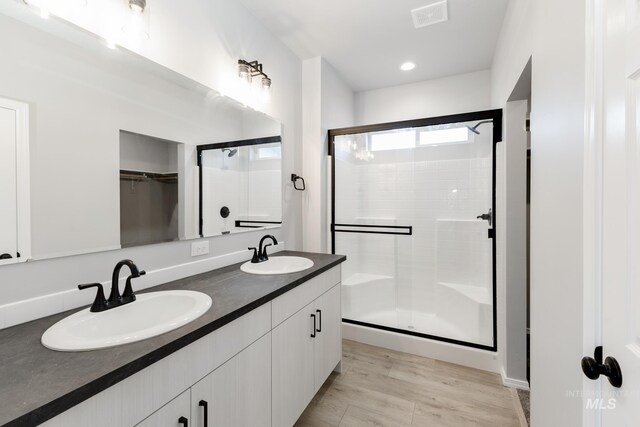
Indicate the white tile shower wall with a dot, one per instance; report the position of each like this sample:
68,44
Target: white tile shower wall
261,203
218,196
418,194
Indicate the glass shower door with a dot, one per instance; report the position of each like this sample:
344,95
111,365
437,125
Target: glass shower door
413,213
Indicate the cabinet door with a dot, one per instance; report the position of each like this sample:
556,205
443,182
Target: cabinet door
293,371
238,393
328,345
173,414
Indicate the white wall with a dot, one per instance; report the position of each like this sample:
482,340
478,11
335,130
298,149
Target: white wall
202,40
513,50
450,95
556,43
328,104
512,280
557,146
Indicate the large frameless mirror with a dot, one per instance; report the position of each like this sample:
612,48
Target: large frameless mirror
113,143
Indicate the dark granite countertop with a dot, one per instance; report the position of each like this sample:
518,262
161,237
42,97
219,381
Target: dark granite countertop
37,384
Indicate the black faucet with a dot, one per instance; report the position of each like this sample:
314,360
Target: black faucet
115,299
260,254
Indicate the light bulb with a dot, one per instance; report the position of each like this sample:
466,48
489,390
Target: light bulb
244,72
407,66
266,83
265,92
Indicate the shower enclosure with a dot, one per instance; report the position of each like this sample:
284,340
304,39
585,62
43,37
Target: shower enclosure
413,209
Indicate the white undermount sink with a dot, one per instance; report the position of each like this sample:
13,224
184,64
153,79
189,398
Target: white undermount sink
278,265
149,315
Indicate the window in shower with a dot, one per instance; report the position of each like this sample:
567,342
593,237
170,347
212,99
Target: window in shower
413,207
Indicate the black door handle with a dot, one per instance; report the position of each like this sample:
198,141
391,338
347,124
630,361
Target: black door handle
319,320
5,256
593,367
313,333
205,405
184,421
487,217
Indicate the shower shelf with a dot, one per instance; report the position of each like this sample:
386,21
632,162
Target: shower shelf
361,278
474,293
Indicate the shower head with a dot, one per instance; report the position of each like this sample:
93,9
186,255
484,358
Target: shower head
475,130
232,152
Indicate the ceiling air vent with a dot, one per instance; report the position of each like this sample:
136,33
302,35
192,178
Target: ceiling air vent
430,14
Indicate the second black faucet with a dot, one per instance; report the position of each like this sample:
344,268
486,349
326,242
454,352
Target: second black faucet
260,253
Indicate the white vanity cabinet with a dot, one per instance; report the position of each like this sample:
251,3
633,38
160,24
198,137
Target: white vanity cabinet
307,345
260,370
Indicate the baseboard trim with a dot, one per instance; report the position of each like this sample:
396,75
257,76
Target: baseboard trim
460,355
512,382
47,305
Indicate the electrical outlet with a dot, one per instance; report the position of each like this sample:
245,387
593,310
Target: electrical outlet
200,248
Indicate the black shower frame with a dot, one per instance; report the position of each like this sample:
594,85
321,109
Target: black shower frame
218,146
496,116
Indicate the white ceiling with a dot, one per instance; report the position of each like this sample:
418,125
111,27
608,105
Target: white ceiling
367,40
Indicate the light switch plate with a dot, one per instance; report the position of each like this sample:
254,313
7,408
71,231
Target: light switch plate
200,248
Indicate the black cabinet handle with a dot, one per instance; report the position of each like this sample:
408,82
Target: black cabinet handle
184,421
319,320
5,256
313,333
205,405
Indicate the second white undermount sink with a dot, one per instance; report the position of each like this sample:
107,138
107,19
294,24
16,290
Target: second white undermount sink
149,315
278,265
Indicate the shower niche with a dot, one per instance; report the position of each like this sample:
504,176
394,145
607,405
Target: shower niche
409,209
240,185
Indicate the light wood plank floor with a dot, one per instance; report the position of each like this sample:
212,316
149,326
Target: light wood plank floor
385,388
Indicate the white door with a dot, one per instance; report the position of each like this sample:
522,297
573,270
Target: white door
620,208
8,188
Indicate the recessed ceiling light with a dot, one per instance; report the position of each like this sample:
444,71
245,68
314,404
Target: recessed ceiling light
407,66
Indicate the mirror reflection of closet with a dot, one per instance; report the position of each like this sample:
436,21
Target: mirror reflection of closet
149,189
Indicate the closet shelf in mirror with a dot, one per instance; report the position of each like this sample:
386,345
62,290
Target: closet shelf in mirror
137,175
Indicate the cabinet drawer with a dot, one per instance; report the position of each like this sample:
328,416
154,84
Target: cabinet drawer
286,305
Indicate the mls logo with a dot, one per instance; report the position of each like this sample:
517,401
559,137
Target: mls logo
600,403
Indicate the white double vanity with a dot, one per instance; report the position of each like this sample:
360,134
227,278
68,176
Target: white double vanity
255,358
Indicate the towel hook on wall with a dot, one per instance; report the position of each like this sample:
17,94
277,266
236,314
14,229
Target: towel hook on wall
294,179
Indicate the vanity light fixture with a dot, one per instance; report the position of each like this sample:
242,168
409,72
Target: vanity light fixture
248,70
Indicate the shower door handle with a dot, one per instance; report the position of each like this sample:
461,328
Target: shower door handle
487,217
